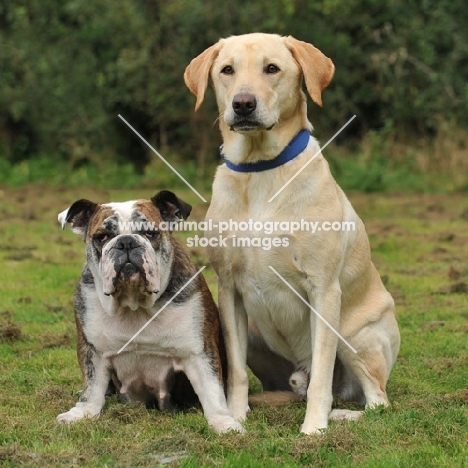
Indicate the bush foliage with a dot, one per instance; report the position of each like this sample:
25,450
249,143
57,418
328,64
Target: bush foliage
69,67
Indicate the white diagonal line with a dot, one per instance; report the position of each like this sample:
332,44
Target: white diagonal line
313,310
162,159
312,158
161,309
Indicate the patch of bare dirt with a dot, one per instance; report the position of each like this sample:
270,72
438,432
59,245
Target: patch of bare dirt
460,396
9,331
433,325
50,340
456,288
442,364
54,308
379,228
453,273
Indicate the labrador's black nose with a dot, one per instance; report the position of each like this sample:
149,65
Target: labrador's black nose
244,103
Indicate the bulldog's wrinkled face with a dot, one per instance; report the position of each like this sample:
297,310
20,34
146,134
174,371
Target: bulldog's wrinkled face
129,248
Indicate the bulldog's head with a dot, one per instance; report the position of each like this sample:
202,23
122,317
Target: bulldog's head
129,247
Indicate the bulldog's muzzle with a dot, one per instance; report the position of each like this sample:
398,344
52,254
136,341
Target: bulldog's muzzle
129,263
128,257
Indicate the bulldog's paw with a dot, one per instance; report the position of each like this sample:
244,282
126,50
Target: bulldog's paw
77,413
223,424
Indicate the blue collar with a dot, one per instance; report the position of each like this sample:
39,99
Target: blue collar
295,148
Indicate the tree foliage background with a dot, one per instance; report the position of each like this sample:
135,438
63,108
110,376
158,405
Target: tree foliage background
69,67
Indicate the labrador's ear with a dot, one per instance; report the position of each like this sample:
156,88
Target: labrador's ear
317,68
171,207
198,71
78,215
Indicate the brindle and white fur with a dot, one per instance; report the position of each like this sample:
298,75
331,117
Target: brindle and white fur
257,80
128,277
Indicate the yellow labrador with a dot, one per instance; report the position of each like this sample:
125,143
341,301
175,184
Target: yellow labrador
279,290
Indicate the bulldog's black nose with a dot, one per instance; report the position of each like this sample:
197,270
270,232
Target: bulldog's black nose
126,243
244,103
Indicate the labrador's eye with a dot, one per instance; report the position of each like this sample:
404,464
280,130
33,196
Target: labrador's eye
271,69
227,70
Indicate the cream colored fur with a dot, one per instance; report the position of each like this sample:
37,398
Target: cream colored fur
333,271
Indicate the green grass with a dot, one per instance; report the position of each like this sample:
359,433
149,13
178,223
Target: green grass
416,240
122,175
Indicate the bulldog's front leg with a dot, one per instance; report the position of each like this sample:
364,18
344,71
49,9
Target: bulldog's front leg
96,376
234,323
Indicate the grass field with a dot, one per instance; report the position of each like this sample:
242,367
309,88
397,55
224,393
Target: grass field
420,246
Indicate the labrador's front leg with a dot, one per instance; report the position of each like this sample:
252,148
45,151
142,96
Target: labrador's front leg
210,392
234,324
324,346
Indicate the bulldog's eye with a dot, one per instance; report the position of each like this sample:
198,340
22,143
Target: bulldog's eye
150,234
101,238
271,69
227,70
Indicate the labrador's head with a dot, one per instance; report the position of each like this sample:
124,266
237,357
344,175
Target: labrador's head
257,78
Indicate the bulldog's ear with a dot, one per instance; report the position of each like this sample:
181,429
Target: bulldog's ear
78,215
171,207
317,69
197,73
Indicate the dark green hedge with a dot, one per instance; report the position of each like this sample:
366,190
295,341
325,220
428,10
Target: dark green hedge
69,67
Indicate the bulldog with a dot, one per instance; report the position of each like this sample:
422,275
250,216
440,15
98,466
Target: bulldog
135,269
